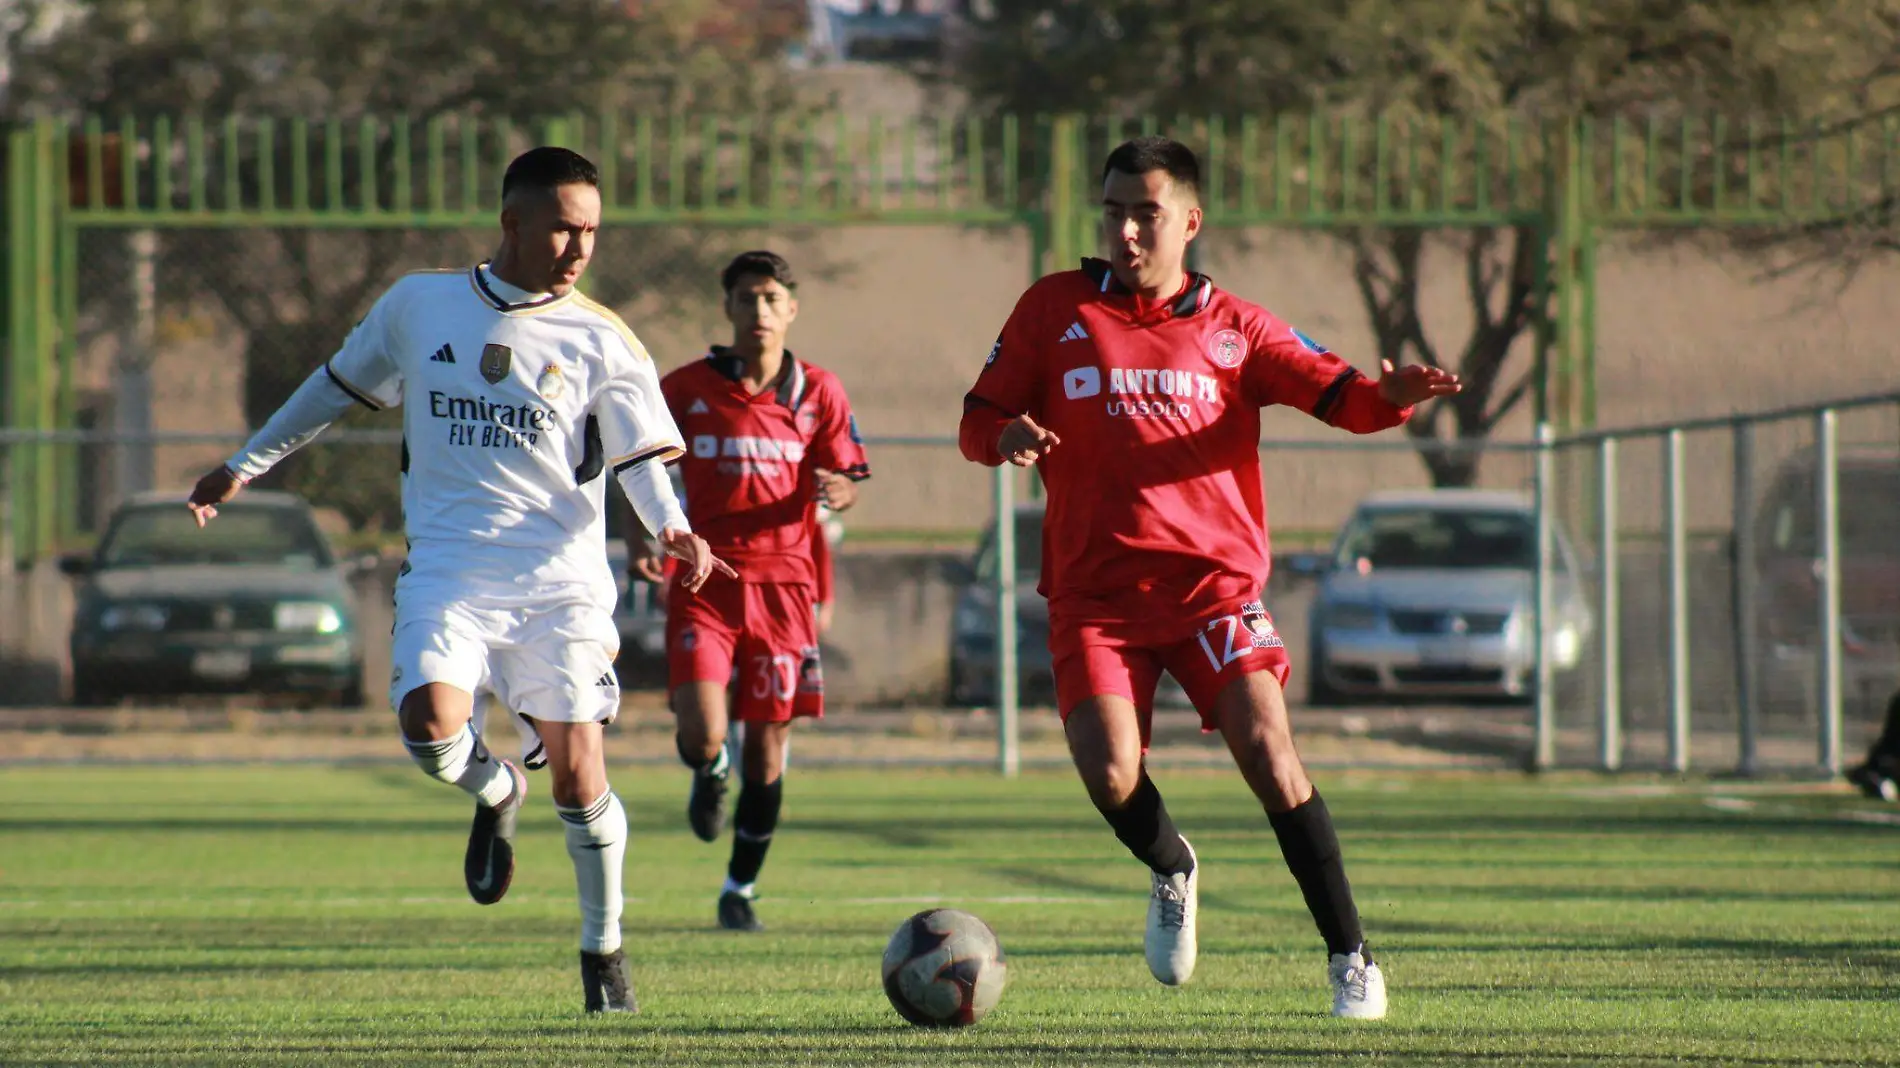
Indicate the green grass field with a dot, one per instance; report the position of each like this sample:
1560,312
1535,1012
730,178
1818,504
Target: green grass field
275,916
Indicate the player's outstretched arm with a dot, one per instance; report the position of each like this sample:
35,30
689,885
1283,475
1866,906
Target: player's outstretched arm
317,403
651,494
692,550
1415,383
990,437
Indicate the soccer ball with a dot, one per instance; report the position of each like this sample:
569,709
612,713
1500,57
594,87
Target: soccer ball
944,968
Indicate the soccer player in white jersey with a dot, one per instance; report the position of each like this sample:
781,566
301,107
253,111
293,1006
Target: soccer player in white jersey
517,393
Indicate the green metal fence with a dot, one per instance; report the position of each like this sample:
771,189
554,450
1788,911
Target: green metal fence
1565,182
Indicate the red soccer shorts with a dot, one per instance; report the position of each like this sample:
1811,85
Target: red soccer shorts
1096,657
761,637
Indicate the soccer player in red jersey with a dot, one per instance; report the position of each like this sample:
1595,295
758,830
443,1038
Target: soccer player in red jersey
1135,388
768,438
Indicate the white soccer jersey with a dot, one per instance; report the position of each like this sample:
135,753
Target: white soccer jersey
513,417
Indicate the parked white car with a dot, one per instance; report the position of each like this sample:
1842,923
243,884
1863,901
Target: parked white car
1431,594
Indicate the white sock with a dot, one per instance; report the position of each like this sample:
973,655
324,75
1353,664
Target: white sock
462,760
597,840
744,890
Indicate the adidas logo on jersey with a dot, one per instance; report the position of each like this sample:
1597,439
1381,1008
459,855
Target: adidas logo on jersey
607,680
699,408
1074,333
443,355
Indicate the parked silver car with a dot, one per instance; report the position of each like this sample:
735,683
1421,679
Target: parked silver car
1430,594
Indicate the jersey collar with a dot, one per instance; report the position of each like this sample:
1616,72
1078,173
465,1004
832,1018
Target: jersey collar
1192,301
791,381
485,288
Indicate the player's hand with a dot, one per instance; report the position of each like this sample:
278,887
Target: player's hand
1405,386
835,491
1023,442
649,567
692,550
218,486
824,617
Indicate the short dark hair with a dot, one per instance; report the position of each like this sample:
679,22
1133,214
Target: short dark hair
760,262
1145,154
546,169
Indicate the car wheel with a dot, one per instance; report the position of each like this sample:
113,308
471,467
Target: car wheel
89,693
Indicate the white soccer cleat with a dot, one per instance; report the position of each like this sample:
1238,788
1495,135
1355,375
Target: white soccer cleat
1358,987
1172,903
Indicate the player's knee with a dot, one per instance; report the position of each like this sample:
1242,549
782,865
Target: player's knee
695,749
1110,783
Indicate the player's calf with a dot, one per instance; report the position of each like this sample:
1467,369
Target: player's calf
753,827
597,843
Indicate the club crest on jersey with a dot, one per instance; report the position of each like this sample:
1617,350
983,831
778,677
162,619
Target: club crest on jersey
1227,348
550,385
1253,615
497,361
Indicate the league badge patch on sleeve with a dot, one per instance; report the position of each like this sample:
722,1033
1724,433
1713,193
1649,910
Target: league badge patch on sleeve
1311,345
851,420
995,351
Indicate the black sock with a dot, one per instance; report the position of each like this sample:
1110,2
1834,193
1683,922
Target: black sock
1887,748
1311,849
1144,827
717,765
753,822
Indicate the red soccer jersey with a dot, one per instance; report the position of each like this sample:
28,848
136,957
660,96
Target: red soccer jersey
748,468
1155,512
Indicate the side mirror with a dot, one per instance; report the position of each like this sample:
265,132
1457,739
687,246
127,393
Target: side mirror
75,564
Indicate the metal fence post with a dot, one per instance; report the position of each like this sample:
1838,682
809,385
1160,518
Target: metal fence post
1008,735
1544,709
1743,586
1828,572
1609,613
1677,533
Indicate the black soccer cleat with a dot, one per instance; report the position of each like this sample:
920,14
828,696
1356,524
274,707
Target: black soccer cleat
735,913
489,864
1876,779
706,807
605,982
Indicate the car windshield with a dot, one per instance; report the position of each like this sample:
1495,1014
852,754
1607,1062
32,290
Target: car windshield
1432,538
1028,550
169,536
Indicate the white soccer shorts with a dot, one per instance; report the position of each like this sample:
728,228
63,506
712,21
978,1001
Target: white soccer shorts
553,664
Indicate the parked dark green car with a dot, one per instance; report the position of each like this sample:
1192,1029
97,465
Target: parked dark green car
256,602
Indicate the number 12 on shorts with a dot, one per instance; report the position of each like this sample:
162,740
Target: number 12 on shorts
1238,635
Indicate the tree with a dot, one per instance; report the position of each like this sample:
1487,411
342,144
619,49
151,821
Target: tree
1476,60
294,291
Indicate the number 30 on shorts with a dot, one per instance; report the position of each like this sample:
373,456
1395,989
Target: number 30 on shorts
774,677
1234,636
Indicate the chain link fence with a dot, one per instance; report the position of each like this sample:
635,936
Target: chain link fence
1706,547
